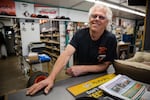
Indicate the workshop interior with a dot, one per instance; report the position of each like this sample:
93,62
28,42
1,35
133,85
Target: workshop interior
33,33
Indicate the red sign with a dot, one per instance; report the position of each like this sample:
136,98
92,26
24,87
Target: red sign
7,7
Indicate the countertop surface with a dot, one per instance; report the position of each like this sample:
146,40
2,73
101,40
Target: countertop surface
58,92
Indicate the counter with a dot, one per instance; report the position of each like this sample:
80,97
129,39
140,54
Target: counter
59,91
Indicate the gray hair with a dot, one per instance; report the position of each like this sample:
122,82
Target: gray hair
108,12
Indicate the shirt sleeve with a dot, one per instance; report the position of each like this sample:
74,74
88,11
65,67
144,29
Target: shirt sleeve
75,40
111,49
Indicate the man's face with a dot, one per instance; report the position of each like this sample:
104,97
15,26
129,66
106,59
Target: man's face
98,20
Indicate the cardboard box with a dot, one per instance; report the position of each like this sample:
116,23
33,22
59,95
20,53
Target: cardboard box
33,56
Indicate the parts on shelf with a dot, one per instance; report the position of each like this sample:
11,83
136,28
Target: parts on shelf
36,47
50,35
62,17
39,16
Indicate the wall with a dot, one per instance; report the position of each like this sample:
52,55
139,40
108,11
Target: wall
24,10
74,15
30,32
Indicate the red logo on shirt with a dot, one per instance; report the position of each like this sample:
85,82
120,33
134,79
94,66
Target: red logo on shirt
102,50
101,53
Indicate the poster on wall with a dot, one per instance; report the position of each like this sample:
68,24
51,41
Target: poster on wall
7,7
46,11
24,10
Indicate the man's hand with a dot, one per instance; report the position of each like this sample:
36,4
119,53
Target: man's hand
76,71
48,84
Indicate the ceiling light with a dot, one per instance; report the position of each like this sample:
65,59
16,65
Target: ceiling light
117,7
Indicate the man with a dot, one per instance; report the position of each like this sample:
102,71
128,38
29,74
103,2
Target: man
95,49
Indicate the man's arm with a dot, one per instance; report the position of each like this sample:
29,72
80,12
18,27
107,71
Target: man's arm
49,81
83,69
62,61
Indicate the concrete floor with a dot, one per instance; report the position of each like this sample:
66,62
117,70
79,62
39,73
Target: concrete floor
12,78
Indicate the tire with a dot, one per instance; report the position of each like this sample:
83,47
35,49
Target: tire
36,77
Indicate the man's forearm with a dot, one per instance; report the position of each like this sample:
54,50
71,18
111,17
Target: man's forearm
59,65
62,61
96,68
77,70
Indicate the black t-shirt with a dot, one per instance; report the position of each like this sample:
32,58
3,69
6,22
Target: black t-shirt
89,52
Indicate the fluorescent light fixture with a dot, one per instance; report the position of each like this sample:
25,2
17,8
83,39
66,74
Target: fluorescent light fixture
117,7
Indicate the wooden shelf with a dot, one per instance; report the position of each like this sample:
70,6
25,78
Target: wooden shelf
56,35
18,36
51,54
52,48
50,35
50,41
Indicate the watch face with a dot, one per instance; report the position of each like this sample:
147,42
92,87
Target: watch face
1,25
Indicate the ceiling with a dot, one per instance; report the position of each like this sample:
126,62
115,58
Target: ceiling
84,6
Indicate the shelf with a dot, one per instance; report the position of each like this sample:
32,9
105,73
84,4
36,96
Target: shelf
18,42
56,35
18,36
50,35
50,41
4,16
51,54
138,43
52,48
